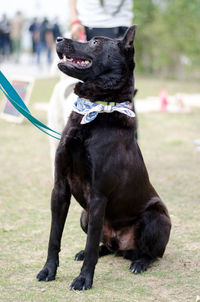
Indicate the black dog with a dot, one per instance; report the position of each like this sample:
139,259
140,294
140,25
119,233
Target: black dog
101,165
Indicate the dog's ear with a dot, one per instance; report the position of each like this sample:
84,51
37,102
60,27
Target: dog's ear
129,37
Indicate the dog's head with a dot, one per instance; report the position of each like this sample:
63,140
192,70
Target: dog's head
106,63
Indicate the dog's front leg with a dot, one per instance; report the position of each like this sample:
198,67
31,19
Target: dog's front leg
60,201
96,216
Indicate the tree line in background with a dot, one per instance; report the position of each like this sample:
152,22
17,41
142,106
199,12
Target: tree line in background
168,37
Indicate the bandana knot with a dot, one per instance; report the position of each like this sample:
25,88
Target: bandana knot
90,110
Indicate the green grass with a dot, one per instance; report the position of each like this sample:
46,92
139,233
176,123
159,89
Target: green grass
25,187
149,86
46,86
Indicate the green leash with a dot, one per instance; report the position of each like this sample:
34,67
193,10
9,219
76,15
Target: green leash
18,103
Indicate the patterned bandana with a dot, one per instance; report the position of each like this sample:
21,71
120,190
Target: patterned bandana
90,110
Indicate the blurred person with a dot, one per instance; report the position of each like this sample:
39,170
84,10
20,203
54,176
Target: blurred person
91,18
34,29
56,29
46,40
4,36
16,34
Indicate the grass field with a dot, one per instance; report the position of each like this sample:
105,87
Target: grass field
25,187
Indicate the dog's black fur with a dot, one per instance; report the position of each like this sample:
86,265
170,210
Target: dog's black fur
101,165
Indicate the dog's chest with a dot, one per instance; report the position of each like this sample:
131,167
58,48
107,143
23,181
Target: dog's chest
99,158
79,174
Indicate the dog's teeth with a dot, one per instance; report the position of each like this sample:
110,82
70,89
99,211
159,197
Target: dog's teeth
76,61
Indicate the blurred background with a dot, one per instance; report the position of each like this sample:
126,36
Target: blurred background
168,38
167,41
27,33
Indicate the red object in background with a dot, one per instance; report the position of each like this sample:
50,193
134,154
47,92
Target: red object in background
163,100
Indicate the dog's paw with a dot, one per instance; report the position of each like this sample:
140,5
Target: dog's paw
48,273
139,266
81,283
80,256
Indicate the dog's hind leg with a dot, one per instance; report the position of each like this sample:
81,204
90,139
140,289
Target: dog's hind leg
60,201
103,250
152,235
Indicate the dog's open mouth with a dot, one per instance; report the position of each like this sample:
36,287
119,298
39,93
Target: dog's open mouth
74,62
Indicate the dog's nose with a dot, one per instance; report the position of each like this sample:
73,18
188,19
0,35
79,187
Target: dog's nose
59,39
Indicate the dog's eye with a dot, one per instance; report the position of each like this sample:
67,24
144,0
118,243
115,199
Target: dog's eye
94,42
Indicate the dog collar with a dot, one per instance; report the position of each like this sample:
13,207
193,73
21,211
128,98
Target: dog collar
90,110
